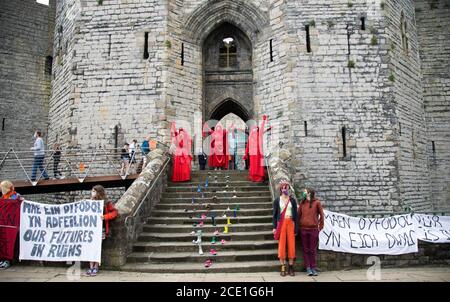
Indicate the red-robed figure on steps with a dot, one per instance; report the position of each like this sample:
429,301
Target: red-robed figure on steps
181,155
218,151
254,151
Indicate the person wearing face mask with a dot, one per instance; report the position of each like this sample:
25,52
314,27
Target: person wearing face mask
109,213
285,226
311,220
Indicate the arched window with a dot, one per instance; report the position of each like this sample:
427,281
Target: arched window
228,53
403,32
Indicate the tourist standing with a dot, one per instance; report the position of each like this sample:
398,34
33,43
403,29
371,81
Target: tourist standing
39,154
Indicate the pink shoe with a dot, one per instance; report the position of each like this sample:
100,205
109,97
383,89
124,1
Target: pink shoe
213,252
200,224
208,263
216,233
193,233
222,241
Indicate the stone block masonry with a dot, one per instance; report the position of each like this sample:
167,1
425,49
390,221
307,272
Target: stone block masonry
26,47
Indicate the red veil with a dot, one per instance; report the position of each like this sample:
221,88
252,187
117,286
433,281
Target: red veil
182,155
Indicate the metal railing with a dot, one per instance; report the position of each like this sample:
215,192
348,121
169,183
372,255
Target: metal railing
70,163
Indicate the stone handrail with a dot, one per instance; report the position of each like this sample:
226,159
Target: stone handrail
134,207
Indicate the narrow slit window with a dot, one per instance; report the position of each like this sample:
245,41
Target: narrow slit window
146,55
400,128
363,23
3,123
109,46
48,65
271,50
433,147
308,39
306,128
182,54
344,142
116,137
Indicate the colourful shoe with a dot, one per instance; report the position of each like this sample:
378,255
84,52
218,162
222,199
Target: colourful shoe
200,224
213,252
228,221
222,241
213,240
225,230
193,233
208,263
89,272
216,233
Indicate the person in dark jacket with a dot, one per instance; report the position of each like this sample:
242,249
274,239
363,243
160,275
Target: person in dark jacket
285,223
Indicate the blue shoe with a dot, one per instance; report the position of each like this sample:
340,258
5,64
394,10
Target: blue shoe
309,272
314,272
94,272
89,272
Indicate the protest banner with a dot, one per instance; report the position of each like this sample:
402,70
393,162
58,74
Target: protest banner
9,227
394,235
432,228
67,232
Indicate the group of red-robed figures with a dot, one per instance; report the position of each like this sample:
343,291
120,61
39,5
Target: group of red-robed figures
218,155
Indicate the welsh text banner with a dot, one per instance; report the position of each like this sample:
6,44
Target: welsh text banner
432,228
394,235
67,232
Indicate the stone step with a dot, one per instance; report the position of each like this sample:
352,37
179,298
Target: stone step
218,194
217,267
224,177
219,220
186,229
215,206
236,200
222,256
217,184
238,188
235,236
219,172
214,211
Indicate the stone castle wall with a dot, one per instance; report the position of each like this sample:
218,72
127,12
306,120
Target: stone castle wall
433,21
26,38
128,69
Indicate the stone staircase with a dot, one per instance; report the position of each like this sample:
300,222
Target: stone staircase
165,245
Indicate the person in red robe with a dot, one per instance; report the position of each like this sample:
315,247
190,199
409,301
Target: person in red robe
218,155
254,151
182,155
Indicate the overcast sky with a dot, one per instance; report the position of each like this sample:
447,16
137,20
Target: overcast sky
42,1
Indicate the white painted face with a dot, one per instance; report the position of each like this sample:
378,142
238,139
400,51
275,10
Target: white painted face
93,194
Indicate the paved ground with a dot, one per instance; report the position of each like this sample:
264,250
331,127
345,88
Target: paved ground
50,274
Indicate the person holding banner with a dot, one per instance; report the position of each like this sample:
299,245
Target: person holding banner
285,226
8,193
311,221
109,213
